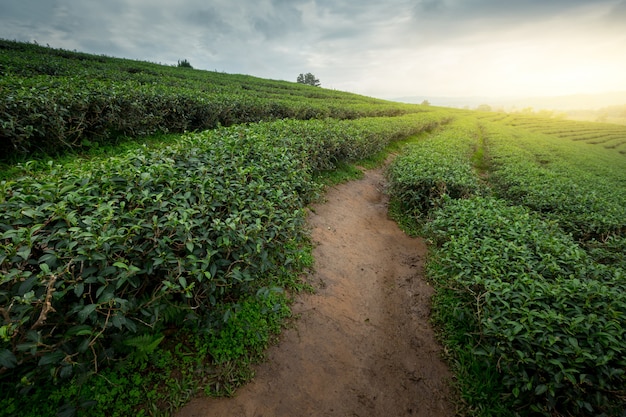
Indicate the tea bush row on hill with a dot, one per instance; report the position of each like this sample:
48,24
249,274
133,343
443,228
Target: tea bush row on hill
530,305
441,166
52,115
537,325
52,100
606,135
532,171
581,186
101,259
329,142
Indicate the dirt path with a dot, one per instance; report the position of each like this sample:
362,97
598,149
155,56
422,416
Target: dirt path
363,345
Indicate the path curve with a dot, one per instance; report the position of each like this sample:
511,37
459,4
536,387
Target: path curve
362,345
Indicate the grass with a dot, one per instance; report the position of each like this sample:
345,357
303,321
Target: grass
344,172
408,224
477,382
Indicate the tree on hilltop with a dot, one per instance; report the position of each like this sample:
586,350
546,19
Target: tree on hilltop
184,64
308,79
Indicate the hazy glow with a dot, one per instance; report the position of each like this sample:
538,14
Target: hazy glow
565,55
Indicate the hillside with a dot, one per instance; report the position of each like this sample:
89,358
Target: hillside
133,279
177,254
52,100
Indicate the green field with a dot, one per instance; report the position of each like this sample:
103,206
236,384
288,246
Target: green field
153,218
526,225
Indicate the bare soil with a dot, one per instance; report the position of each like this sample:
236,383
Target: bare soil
362,345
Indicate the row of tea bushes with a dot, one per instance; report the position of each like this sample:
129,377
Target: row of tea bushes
440,166
95,255
581,187
529,302
54,100
536,324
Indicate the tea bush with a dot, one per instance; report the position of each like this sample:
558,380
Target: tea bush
435,168
552,319
101,260
135,243
530,287
329,142
53,101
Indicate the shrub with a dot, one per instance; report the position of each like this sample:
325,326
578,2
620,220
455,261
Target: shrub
552,320
438,167
184,64
134,244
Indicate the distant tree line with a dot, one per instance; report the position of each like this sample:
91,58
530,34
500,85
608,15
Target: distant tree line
610,114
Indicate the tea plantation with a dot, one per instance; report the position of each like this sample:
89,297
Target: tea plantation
152,234
527,254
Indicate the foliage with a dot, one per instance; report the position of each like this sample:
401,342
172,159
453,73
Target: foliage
606,135
551,318
133,244
530,286
101,259
308,79
248,327
184,64
559,179
169,376
328,143
54,100
434,168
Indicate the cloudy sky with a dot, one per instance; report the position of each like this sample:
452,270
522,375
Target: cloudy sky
380,48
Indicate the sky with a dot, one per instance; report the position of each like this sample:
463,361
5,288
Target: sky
386,49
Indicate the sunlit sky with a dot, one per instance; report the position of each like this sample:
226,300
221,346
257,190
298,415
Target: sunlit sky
386,49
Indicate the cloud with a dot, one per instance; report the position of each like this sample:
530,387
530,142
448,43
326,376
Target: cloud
279,19
365,46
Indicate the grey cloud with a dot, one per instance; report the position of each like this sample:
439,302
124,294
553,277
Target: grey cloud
617,14
25,20
208,19
430,6
246,20
282,20
463,12
444,20
26,10
347,43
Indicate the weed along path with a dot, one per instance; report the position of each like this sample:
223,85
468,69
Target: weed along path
362,345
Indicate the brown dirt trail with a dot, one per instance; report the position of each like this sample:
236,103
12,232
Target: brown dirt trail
362,345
